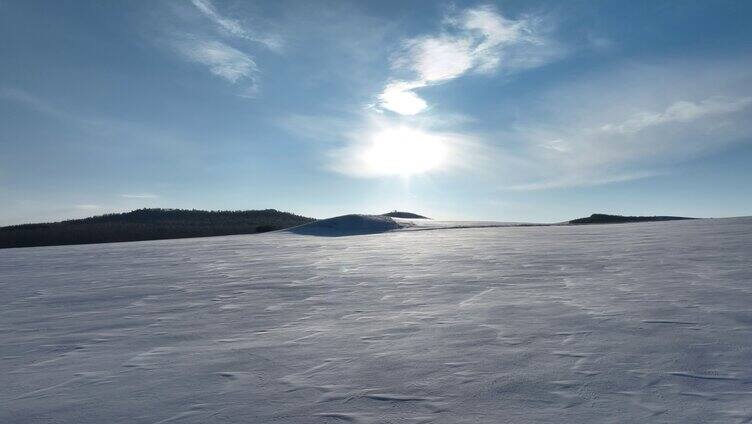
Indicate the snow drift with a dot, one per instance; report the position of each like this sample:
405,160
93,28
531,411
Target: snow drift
347,225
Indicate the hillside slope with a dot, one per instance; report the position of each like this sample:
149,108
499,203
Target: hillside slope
600,218
409,215
148,224
347,225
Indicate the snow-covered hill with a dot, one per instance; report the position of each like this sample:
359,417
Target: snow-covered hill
354,225
586,324
346,225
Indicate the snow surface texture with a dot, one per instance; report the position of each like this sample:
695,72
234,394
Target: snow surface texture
624,323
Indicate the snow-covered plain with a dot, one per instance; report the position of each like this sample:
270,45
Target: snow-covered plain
584,324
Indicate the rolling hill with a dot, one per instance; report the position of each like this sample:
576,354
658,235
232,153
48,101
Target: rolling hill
148,224
599,218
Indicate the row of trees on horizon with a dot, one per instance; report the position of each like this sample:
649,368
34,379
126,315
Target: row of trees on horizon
148,224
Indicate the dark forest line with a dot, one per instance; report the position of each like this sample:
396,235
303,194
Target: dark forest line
148,224
600,218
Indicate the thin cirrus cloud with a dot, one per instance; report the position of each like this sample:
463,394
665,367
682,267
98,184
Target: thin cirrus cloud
215,52
223,61
87,207
234,28
642,145
99,128
614,127
478,40
139,196
680,111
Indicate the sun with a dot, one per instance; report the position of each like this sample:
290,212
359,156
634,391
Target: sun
404,151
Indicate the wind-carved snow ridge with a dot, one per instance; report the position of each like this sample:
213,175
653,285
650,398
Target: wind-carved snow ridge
606,324
347,225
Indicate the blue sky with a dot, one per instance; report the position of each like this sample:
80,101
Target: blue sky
511,111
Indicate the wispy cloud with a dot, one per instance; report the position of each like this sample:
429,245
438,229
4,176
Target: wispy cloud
139,196
101,130
399,97
233,27
223,61
584,180
87,207
478,40
558,145
682,111
636,122
34,102
225,46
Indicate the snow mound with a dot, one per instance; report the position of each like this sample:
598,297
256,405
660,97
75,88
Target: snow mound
347,225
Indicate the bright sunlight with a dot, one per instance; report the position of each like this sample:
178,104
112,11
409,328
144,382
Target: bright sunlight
404,151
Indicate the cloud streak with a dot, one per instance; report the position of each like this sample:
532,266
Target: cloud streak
106,130
680,112
631,124
87,207
478,40
223,61
233,27
201,34
139,196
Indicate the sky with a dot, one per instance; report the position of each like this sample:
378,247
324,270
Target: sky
525,111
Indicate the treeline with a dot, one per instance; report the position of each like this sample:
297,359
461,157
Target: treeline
409,215
600,218
148,224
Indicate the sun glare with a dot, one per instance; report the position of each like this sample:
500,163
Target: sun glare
404,151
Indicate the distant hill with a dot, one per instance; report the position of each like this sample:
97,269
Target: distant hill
398,214
599,218
347,225
148,224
